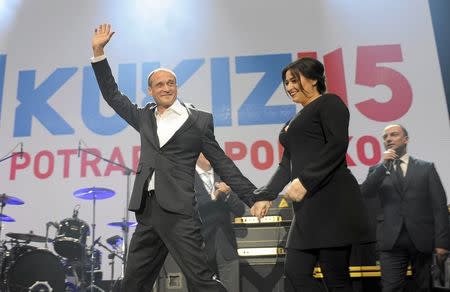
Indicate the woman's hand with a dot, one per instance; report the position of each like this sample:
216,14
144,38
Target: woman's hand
295,191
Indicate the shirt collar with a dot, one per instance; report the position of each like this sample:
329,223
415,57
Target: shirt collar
176,107
405,158
201,171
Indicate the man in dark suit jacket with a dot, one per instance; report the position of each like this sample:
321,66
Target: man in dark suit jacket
172,136
217,204
414,219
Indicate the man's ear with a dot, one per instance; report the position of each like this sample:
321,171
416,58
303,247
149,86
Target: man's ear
149,91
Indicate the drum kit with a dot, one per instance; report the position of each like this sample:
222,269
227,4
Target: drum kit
76,266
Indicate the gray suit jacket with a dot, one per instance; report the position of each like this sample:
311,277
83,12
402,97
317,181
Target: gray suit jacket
421,205
173,163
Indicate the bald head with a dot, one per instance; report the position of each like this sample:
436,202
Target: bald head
405,132
149,78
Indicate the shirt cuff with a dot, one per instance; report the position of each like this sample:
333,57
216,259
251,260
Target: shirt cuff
98,58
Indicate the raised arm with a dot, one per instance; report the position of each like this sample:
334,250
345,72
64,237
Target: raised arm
102,35
105,79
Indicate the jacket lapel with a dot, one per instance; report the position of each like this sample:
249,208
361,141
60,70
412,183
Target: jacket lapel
216,178
192,118
150,128
409,172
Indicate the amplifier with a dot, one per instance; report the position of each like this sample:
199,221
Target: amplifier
170,278
262,235
263,275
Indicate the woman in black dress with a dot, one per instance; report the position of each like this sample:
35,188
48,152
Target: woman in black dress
328,207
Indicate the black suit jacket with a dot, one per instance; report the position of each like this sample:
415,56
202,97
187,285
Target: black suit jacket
421,205
216,216
173,163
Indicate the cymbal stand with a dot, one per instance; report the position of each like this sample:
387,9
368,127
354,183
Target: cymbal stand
125,230
2,205
112,256
8,156
92,285
47,226
128,171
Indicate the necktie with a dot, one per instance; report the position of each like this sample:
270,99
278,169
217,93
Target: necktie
207,182
399,173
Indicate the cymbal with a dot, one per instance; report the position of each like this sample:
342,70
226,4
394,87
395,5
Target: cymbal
6,218
10,200
91,193
122,224
27,237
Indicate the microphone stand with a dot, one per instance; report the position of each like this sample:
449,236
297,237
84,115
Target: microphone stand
125,228
2,205
11,156
14,153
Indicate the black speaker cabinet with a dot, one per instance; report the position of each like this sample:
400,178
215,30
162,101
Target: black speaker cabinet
263,275
171,278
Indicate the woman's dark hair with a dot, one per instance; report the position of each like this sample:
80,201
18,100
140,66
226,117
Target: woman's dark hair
309,68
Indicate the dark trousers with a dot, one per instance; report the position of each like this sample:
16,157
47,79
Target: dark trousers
159,232
394,265
333,262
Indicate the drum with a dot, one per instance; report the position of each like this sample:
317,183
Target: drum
11,255
17,250
71,239
36,270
